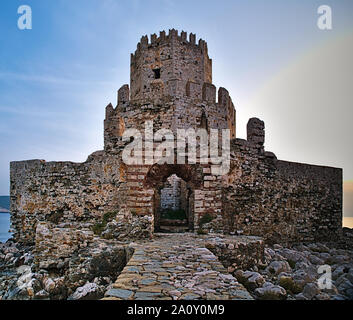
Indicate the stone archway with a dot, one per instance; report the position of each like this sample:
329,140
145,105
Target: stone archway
156,178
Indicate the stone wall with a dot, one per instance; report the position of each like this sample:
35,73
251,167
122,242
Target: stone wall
63,192
279,200
238,252
172,113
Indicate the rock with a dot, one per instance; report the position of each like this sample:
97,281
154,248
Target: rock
271,292
24,278
270,253
316,260
322,296
310,290
175,294
287,282
338,271
326,257
344,287
23,269
49,285
276,267
293,256
251,280
127,225
339,259
300,296
90,291
41,295
350,275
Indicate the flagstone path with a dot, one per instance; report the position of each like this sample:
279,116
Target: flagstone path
178,267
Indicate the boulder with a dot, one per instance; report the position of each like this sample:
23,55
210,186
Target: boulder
271,292
276,267
251,280
311,290
90,291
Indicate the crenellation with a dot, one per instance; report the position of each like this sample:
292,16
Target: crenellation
162,36
223,97
123,94
173,33
183,36
209,92
153,39
144,42
109,110
192,38
165,39
256,131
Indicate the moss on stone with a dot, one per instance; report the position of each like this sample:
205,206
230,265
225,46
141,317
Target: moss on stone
289,284
99,227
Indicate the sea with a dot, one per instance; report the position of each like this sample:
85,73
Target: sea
4,226
348,222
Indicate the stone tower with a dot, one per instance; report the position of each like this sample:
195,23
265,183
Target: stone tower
171,84
167,64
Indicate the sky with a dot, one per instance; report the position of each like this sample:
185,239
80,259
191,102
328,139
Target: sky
56,79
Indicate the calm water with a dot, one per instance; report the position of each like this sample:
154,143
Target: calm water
348,222
4,226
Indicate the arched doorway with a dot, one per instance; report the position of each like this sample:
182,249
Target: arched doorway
174,193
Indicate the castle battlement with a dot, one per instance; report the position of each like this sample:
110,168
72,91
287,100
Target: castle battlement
166,60
165,39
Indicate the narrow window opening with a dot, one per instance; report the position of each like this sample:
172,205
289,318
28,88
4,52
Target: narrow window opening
157,73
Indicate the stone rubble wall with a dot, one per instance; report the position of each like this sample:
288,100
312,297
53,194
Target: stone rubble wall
173,113
63,192
279,200
239,252
54,245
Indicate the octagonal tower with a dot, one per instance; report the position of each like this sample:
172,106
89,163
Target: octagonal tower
166,64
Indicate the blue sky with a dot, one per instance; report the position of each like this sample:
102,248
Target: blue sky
56,79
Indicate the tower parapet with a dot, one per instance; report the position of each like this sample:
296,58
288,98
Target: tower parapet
165,60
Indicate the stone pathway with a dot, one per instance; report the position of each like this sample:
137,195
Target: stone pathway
178,267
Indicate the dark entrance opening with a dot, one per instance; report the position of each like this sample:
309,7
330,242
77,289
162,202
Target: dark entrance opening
157,73
175,205
174,193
